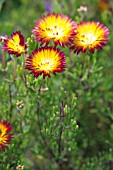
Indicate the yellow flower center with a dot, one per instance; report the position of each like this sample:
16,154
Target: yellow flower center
20,48
55,31
15,46
46,64
88,38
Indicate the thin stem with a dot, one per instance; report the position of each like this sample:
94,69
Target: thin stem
38,101
15,68
49,151
21,126
3,63
21,122
83,60
60,148
10,101
88,66
23,75
23,66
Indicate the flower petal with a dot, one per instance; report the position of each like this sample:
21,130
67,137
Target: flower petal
90,36
5,137
15,44
56,27
45,61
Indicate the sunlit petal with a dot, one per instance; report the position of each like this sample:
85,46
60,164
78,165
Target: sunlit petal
5,137
15,44
45,61
90,36
57,27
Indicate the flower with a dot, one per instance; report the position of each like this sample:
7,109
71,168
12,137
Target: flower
90,35
82,9
15,44
45,60
2,38
20,167
19,104
56,27
5,137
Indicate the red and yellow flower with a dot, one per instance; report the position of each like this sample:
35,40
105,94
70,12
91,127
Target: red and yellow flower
45,61
15,44
5,137
90,36
56,27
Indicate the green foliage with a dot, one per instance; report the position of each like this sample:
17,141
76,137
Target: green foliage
65,122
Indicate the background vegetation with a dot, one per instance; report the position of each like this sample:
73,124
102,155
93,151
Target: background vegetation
83,138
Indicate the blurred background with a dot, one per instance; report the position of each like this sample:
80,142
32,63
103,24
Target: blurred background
94,94
21,14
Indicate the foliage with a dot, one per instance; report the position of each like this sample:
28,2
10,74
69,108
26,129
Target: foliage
64,122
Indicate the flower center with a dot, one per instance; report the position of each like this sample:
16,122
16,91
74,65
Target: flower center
88,38
20,48
46,64
54,31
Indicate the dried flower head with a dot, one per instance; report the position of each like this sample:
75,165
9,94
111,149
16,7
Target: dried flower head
5,137
56,27
15,44
90,36
45,61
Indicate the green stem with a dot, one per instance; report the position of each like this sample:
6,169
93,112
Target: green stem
10,101
83,60
15,68
3,63
39,91
23,66
60,148
45,145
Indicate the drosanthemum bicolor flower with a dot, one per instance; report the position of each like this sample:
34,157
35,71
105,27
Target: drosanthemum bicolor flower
56,27
90,35
45,61
15,44
5,135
